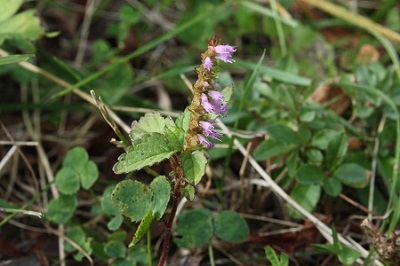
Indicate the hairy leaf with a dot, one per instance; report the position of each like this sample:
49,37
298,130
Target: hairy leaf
150,123
194,166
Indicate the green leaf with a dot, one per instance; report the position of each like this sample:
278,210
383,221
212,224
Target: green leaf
106,203
270,148
332,187
12,59
194,166
150,123
274,259
9,8
230,227
188,192
336,150
132,198
76,158
60,210
142,228
150,149
115,249
227,93
307,196
67,181
115,222
322,138
194,228
310,174
77,235
161,195
351,174
24,25
284,134
89,175
183,120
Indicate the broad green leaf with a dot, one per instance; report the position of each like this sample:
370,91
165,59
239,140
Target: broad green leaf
89,175
270,148
12,59
77,235
150,123
161,189
310,174
307,196
60,210
274,259
148,150
322,138
143,227
284,134
115,249
194,228
24,25
229,226
194,166
227,92
9,8
351,174
106,203
314,156
132,198
115,222
67,181
332,187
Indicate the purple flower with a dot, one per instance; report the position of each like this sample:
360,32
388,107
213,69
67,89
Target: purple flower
217,101
208,107
204,141
208,129
225,52
216,96
206,84
207,63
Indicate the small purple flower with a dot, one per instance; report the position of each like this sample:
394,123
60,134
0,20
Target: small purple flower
217,101
207,63
208,107
225,52
205,142
208,129
206,84
216,96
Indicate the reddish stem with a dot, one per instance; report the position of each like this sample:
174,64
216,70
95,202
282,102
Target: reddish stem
176,165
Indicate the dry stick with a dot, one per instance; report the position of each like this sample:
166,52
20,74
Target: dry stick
322,228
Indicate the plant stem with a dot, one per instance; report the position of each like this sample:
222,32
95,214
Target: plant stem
177,168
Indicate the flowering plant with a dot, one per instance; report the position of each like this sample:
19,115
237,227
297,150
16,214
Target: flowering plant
154,139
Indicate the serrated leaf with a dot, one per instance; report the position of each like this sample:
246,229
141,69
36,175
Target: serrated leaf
229,226
60,210
150,123
148,150
161,195
142,228
9,8
194,166
67,181
132,198
194,228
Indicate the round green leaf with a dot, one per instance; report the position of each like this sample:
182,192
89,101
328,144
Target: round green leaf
115,249
310,174
161,194
61,209
332,187
67,181
194,228
132,198
115,222
106,204
89,174
77,235
230,227
76,158
351,174
307,196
